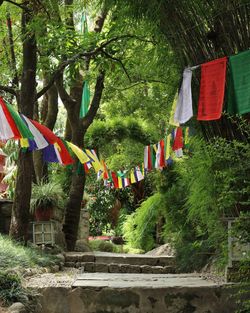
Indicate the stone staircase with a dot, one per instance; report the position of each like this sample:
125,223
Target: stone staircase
104,262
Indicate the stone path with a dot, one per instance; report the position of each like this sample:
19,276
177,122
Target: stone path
76,291
141,280
62,279
105,262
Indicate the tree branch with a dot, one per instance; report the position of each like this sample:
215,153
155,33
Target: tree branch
95,103
65,97
119,61
82,55
8,89
12,51
143,81
19,5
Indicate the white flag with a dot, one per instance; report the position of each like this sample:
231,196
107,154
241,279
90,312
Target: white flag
184,107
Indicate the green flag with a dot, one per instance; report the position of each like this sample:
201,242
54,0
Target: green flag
85,99
22,127
238,92
84,23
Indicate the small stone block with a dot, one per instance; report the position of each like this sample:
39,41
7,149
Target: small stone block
156,269
146,269
114,268
101,268
87,258
69,264
168,270
71,257
134,269
89,267
78,264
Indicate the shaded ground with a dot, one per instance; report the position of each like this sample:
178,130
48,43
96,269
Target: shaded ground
63,278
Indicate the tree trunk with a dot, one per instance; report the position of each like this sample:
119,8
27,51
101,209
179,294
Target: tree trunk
49,113
20,211
76,129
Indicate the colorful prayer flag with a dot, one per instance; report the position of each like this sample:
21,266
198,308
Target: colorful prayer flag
84,23
39,139
168,146
178,139
10,120
184,107
81,155
238,92
171,119
85,99
5,128
212,87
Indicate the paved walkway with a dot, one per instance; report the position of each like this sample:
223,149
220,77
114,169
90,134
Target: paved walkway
103,280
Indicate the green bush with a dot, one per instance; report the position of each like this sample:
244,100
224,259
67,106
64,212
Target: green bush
139,227
194,195
211,184
11,289
101,245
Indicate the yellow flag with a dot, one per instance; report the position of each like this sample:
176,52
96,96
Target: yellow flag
83,158
95,163
168,146
24,142
119,182
132,176
171,120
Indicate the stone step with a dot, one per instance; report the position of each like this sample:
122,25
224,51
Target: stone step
92,267
117,258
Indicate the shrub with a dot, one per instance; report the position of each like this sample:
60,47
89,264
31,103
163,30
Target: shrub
47,195
139,227
11,289
101,245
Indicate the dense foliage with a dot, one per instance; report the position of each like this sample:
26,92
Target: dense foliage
11,289
194,197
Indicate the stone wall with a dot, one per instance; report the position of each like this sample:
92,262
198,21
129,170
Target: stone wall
5,215
83,230
138,300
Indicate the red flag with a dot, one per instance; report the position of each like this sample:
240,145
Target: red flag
178,140
149,159
10,120
52,139
115,180
46,132
212,87
105,172
162,156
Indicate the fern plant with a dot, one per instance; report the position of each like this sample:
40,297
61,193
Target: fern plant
139,227
47,195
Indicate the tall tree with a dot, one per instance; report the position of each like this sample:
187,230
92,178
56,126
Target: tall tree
27,96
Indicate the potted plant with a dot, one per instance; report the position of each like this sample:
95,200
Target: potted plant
45,198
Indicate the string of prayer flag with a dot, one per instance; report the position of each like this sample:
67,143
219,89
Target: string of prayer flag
39,140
